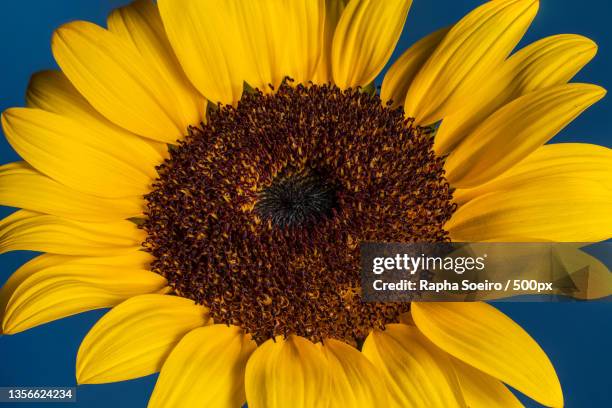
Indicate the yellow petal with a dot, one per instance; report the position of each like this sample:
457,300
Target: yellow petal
68,287
364,39
416,373
480,390
550,209
206,39
403,71
53,92
590,276
573,272
483,337
287,373
551,61
548,62
568,160
23,187
30,231
135,260
333,11
406,318
101,164
140,24
205,369
26,270
516,130
135,338
109,72
355,382
473,48
280,39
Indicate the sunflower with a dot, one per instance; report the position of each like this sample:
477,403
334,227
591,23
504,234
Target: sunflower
208,169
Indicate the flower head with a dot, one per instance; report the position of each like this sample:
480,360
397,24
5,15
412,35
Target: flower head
208,169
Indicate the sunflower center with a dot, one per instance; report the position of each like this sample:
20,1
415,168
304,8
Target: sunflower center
295,199
258,214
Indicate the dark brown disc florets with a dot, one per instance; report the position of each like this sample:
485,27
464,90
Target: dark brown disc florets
258,214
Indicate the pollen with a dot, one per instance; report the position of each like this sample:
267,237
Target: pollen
259,212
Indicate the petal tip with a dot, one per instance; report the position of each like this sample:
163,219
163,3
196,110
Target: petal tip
589,44
60,32
83,372
7,114
594,92
5,327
